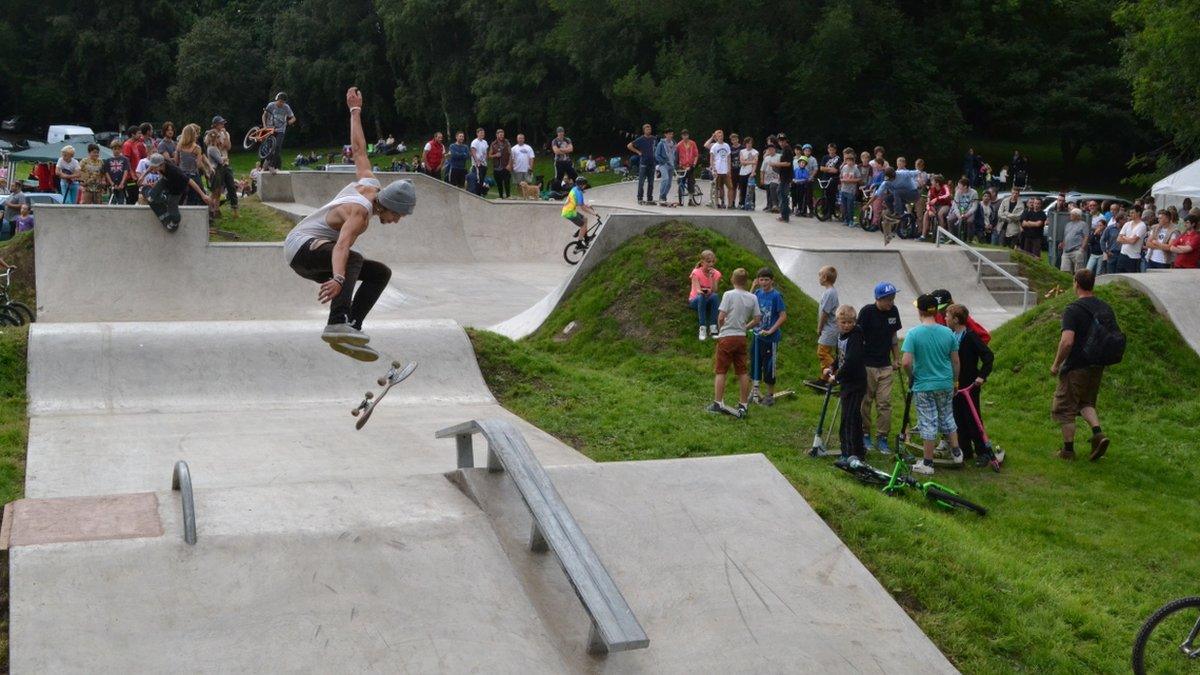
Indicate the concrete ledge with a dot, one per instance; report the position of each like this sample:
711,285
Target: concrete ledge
1173,293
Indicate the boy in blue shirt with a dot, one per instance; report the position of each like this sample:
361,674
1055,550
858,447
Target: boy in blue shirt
774,313
931,361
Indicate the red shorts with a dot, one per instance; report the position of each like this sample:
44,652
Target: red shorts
731,351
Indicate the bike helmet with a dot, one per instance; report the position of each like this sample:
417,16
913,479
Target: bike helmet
281,96
806,146
581,182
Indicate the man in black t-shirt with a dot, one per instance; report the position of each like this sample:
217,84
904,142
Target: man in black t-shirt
880,322
165,194
1033,225
783,165
830,170
1079,381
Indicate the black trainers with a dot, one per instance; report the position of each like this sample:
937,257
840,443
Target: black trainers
741,411
714,407
983,459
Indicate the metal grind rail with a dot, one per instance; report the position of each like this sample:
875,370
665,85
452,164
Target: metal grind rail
614,627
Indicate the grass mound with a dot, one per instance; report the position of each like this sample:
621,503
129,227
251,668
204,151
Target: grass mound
18,251
1060,574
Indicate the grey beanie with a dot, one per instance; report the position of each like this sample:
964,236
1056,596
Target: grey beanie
398,196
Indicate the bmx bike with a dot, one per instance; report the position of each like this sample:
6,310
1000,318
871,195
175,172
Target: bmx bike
901,479
1167,641
574,251
264,137
12,312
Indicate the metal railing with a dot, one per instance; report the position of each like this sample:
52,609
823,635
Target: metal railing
181,480
614,627
981,260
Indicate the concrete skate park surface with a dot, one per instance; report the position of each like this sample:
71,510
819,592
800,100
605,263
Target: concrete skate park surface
1173,293
322,548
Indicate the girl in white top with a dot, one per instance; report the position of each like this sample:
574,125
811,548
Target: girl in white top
67,170
321,247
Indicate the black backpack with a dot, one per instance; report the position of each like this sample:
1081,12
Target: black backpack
1105,344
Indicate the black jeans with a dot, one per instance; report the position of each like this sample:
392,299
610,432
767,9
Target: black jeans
740,183
458,177
317,265
274,158
131,193
225,180
785,197
564,169
480,175
503,182
851,429
970,438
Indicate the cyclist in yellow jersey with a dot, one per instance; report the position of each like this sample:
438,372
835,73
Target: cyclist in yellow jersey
576,207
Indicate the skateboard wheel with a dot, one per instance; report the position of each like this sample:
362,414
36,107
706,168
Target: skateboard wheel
355,412
369,395
381,381
395,364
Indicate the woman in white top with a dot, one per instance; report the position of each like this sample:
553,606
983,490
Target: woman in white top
748,160
321,247
67,170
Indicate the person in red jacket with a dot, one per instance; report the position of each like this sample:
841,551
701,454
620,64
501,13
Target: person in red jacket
945,300
938,204
1187,246
687,154
431,156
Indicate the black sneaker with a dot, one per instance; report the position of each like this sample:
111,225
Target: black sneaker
714,407
741,411
983,459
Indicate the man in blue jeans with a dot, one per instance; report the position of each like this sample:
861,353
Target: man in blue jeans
643,147
664,159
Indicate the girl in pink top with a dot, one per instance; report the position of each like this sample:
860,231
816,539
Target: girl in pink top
703,297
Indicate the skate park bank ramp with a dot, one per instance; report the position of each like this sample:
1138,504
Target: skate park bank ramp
1173,293
322,548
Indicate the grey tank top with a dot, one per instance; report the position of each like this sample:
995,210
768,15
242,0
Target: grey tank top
314,226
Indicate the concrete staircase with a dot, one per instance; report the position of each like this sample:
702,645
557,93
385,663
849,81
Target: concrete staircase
1006,293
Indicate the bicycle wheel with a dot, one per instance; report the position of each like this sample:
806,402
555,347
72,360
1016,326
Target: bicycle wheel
23,310
825,211
1166,641
573,252
9,317
267,147
251,138
953,501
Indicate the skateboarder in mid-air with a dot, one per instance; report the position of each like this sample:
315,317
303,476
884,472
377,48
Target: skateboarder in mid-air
321,247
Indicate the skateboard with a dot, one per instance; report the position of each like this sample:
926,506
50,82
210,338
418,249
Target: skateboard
356,352
395,375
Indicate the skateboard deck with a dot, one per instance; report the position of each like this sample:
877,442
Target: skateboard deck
395,375
356,352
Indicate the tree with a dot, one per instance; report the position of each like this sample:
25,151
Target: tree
1158,58
209,54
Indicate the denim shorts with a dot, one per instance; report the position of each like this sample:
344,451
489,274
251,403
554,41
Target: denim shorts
935,413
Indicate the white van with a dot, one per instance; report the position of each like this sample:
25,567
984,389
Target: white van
60,133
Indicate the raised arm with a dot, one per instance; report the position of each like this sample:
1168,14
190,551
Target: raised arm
358,142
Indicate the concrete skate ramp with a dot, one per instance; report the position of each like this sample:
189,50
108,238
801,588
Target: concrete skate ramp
858,272
245,403
721,560
619,228
1173,293
952,269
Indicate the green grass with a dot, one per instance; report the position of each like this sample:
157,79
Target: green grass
255,222
1058,577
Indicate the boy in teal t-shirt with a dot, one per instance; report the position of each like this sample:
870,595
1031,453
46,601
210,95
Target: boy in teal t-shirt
931,360
774,313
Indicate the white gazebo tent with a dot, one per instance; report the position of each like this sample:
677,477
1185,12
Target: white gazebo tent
1183,183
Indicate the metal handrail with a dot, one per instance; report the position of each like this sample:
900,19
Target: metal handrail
181,480
614,626
980,260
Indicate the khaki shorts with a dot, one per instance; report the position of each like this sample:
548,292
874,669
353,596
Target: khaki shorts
731,351
826,355
1077,389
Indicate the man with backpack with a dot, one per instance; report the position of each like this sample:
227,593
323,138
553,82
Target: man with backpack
1091,340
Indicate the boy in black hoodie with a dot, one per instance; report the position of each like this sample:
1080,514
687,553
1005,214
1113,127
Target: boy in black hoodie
976,365
850,371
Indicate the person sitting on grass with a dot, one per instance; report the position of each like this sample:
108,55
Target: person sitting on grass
850,372
975,365
774,313
931,361
576,208
738,313
827,330
703,298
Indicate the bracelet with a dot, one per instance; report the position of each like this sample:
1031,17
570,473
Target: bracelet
340,279
356,108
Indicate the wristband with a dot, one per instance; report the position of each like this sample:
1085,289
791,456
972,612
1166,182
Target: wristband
340,279
357,108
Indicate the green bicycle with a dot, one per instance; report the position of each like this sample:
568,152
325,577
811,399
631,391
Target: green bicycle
901,478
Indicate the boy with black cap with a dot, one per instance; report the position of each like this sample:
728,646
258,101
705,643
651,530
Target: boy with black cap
320,247
931,360
774,313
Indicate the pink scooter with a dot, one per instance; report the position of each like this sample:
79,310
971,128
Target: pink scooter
996,452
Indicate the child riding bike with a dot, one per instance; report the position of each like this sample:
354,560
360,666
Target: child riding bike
576,207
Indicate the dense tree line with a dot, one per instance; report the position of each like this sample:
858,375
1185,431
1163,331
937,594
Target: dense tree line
899,72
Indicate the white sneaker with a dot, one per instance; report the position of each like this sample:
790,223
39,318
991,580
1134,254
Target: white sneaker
703,334
712,330
344,332
922,468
